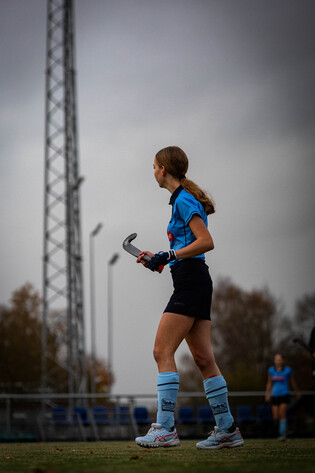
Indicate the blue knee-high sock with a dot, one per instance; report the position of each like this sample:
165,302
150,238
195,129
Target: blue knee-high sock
216,393
168,384
282,427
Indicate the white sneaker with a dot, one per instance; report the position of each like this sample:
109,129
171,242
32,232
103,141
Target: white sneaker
157,436
220,439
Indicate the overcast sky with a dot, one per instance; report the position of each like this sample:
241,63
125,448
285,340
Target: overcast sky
229,81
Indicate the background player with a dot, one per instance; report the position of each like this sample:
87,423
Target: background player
278,392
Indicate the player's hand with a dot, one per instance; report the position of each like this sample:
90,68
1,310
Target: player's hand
161,259
141,255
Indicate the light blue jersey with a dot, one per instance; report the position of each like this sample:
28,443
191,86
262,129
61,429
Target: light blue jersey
184,206
280,380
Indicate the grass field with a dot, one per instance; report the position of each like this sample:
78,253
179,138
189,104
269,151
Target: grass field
256,456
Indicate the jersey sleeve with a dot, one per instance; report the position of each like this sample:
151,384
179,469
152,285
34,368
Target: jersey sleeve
290,372
270,371
187,207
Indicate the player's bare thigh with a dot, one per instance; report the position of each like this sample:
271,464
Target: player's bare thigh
172,330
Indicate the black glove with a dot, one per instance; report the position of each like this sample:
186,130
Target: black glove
161,259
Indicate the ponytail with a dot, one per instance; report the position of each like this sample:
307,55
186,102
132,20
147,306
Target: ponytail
199,194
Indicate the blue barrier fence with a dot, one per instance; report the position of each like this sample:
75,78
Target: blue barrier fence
47,417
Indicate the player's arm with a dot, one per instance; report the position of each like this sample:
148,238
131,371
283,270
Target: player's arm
294,387
268,388
203,242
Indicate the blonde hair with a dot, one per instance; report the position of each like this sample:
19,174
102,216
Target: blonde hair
175,161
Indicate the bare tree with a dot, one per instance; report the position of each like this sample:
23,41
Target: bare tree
242,328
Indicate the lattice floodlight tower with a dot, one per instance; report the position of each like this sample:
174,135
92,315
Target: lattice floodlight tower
62,274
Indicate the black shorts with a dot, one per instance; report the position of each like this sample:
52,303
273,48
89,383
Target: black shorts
277,400
192,289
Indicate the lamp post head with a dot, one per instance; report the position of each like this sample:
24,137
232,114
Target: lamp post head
96,230
113,259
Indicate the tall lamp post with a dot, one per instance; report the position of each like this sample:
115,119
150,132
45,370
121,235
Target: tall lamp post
93,234
111,262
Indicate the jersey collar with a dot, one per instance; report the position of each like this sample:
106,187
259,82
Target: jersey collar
175,195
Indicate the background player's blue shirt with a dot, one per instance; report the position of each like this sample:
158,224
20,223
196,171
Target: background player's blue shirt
184,206
280,380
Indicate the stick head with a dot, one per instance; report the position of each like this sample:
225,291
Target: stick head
135,251
129,239
129,247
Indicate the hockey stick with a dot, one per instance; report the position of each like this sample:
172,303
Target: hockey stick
135,251
304,345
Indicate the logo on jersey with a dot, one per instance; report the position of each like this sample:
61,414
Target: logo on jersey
168,405
278,378
220,408
170,236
